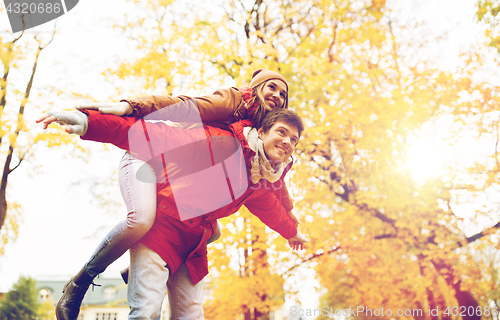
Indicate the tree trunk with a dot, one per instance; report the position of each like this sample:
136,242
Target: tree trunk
467,301
20,124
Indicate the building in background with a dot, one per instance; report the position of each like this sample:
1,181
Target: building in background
108,301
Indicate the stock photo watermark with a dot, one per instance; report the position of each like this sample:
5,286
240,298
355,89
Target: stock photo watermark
219,164
387,312
27,14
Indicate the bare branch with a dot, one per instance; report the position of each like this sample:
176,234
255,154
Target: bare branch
334,38
481,234
17,165
496,145
312,257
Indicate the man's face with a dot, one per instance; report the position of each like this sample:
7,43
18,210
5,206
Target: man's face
274,93
279,142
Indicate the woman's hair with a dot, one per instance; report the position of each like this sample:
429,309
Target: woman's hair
282,115
260,112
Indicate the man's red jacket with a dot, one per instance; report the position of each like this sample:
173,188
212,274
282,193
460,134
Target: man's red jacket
179,240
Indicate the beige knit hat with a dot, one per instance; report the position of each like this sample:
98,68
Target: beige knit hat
261,75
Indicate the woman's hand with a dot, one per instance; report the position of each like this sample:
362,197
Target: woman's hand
72,121
297,242
116,108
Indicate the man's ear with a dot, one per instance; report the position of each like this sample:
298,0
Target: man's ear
260,132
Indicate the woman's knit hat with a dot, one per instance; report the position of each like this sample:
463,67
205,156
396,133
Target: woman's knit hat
261,75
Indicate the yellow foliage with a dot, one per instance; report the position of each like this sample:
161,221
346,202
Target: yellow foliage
362,96
10,228
18,137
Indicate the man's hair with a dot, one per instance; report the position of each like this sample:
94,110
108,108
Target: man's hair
282,115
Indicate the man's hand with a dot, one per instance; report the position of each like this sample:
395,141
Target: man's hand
116,108
72,121
297,242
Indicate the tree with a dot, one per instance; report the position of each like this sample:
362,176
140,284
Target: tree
240,260
21,303
356,77
487,12
20,55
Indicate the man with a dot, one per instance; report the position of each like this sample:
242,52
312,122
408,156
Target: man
251,163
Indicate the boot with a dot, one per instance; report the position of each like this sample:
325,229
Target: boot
68,306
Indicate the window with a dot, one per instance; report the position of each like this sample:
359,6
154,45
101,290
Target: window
106,316
45,294
109,293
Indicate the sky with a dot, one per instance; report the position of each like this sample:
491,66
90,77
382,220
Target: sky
60,227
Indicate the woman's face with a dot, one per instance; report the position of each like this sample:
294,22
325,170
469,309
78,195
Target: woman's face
279,142
274,93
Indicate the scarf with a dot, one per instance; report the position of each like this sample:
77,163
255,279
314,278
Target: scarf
247,94
261,167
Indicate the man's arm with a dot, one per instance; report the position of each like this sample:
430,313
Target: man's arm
284,196
286,201
146,140
269,210
92,125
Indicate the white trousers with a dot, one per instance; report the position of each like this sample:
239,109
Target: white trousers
149,279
